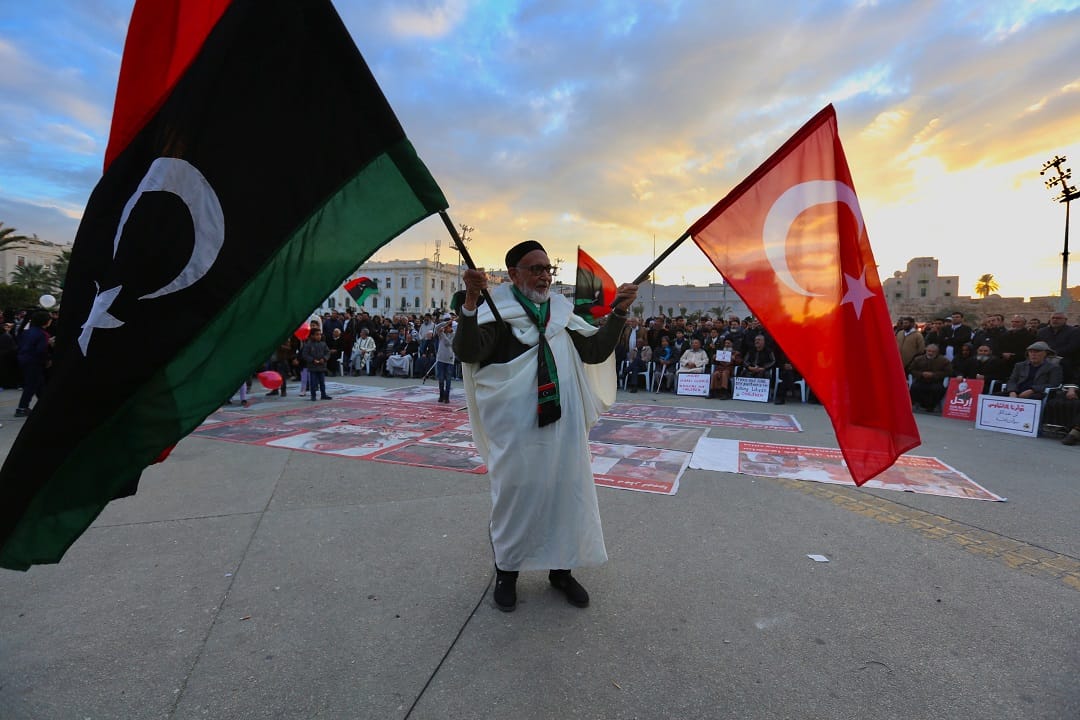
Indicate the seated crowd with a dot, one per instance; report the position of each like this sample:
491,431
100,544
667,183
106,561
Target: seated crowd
657,350
1026,359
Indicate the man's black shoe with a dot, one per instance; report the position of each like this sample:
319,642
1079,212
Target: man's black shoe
563,581
273,393
506,590
325,397
22,412
780,400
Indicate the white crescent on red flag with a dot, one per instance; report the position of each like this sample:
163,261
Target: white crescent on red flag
791,241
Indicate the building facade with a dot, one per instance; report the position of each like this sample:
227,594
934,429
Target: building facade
924,295
676,300
405,286
922,282
31,252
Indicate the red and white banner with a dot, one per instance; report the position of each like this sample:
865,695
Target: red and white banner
962,399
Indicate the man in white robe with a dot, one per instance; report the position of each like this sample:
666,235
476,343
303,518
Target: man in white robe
531,428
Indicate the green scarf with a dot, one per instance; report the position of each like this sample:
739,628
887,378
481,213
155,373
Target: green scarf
548,409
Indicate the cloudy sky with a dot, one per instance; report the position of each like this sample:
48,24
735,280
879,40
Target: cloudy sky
607,123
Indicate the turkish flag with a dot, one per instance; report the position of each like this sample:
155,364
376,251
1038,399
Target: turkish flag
791,241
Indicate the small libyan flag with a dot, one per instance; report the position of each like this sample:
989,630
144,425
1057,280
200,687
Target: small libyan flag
595,290
361,289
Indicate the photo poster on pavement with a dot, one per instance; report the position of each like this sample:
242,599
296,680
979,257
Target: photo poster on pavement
705,416
1016,416
961,398
924,475
752,389
641,456
692,384
642,469
646,434
388,428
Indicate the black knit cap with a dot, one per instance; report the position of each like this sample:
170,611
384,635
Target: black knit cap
514,254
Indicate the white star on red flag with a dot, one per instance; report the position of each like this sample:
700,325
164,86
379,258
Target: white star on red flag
857,292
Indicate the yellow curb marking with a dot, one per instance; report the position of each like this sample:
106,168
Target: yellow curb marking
1011,553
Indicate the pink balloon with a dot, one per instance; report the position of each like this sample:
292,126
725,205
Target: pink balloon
270,379
303,331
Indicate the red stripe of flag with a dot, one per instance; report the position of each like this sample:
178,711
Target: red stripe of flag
164,37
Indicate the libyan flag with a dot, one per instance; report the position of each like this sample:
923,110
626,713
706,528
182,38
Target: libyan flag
252,157
594,291
361,289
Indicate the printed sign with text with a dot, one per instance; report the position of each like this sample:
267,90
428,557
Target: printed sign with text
752,389
961,398
693,384
1017,416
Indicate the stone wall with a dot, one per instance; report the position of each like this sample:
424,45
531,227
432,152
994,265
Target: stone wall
975,309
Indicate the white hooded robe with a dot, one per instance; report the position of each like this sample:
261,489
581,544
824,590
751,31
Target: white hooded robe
544,508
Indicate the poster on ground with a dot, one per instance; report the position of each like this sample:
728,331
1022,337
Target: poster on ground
926,475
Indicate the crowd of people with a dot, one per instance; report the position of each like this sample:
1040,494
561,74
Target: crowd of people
658,349
1021,357
1024,359
357,343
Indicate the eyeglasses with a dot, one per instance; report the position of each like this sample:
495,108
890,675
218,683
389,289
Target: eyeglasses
540,269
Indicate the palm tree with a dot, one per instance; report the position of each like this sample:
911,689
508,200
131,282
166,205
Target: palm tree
986,285
721,311
58,272
8,238
32,277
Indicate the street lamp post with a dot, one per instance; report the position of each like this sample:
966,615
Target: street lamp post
1068,194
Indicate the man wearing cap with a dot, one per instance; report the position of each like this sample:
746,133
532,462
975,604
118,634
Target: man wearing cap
537,377
1030,378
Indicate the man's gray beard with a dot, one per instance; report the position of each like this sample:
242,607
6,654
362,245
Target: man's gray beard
535,295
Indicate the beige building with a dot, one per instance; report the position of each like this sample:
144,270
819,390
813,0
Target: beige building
405,286
29,252
921,282
921,293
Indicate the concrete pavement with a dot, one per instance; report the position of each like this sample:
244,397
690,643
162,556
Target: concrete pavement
255,582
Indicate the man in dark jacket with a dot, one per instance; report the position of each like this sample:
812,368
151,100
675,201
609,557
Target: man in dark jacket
33,356
928,373
1063,339
1032,377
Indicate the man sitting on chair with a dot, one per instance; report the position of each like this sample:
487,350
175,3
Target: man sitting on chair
928,372
1032,377
693,360
362,352
760,361
400,363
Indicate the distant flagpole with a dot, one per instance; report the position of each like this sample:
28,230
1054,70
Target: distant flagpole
467,258
644,274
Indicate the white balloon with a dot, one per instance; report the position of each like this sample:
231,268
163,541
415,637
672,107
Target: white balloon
47,301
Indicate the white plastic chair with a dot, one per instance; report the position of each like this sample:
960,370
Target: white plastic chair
803,390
